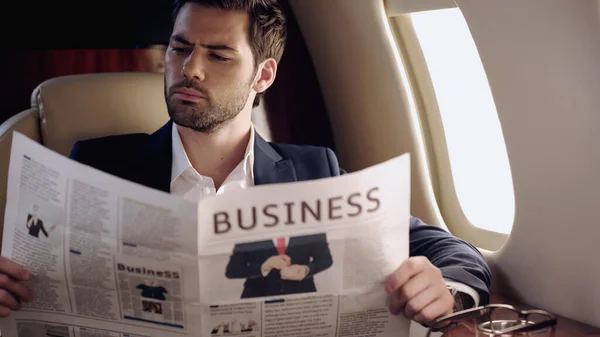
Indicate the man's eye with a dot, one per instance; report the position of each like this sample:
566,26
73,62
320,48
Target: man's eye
178,49
219,57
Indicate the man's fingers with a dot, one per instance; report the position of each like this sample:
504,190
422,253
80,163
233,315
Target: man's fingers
8,300
4,312
16,288
283,261
442,306
409,268
396,304
408,291
13,269
293,272
413,287
419,302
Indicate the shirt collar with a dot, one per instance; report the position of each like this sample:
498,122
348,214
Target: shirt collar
181,162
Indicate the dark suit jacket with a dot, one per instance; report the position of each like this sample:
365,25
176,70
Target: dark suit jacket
35,228
146,159
157,293
247,258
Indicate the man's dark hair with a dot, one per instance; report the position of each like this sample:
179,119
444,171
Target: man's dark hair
267,31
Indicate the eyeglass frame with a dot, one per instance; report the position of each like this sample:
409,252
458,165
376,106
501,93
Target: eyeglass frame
455,318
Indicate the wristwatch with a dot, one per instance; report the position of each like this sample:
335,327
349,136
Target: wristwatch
462,301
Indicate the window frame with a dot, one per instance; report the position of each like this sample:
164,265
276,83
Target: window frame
436,148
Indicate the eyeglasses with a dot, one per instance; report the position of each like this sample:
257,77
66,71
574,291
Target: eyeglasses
494,320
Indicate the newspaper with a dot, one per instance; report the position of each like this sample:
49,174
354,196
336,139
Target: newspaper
111,258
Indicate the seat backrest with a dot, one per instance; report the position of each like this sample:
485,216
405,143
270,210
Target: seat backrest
86,106
27,123
70,108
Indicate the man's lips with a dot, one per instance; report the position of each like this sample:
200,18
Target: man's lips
189,95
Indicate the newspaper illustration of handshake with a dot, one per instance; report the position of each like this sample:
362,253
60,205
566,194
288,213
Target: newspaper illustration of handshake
283,263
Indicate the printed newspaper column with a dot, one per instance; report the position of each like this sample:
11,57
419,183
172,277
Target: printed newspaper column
91,240
34,329
368,315
65,223
307,316
87,332
27,328
155,232
37,240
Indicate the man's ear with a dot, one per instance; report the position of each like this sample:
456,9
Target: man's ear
267,71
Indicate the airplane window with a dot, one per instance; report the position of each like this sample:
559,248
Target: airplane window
475,144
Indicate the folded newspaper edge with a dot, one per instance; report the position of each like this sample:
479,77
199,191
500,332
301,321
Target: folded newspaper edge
110,257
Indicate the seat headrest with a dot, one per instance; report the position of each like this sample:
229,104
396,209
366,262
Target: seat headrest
86,106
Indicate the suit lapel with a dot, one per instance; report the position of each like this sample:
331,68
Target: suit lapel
269,166
159,157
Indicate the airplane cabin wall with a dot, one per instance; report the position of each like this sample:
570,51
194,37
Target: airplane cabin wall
542,59
364,93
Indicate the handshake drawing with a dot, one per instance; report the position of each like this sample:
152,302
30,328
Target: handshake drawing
283,263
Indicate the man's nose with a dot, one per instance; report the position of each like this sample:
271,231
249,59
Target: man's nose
193,67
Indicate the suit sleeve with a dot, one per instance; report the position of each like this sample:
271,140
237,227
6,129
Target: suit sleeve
43,229
457,259
321,256
334,166
92,153
240,266
77,153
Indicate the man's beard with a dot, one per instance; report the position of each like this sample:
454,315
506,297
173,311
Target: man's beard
207,119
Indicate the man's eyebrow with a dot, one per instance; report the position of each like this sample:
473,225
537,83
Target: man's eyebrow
219,47
180,39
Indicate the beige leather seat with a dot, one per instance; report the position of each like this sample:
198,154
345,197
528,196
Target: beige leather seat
66,109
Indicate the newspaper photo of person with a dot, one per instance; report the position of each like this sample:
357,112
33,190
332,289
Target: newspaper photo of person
283,265
34,224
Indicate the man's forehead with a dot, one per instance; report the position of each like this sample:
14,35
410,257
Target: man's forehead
198,24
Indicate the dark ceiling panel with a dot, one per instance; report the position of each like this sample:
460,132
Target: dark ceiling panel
55,24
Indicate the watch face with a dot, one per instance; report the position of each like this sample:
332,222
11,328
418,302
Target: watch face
458,303
459,300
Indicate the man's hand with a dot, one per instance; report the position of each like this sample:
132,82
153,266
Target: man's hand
418,289
294,272
12,291
275,262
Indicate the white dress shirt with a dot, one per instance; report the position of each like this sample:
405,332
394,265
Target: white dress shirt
190,184
187,182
